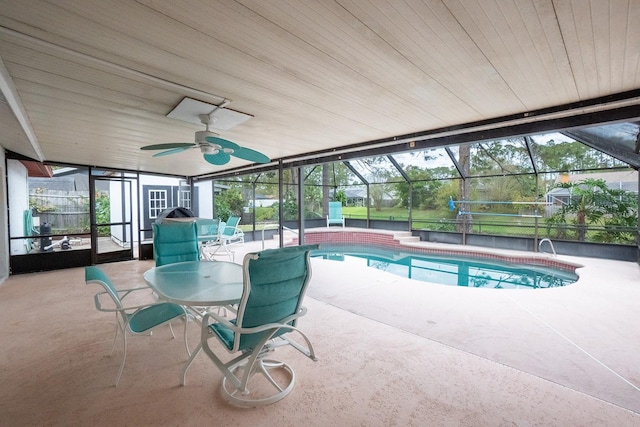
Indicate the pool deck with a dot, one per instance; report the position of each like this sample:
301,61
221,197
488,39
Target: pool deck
585,336
392,351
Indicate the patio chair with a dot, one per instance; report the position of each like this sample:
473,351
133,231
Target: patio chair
335,214
275,282
230,232
208,235
175,242
135,319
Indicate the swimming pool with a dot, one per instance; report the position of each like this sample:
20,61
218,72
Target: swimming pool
449,270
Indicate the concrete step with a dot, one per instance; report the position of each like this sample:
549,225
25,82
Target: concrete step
287,236
407,239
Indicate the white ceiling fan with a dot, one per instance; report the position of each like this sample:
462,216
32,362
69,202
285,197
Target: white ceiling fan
215,150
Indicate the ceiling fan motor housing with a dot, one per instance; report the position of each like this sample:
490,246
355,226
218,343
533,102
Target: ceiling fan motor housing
201,140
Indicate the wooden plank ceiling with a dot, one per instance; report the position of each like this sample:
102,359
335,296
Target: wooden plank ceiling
95,79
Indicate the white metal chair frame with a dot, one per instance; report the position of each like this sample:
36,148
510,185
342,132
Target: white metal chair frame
238,371
208,240
126,314
227,235
234,386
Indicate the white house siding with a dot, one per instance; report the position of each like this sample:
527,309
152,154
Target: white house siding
18,199
4,233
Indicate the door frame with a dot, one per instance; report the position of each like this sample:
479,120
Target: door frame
128,186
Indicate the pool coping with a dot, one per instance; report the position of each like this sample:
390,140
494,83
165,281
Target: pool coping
404,240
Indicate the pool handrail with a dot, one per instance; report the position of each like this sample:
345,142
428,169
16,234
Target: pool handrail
550,244
264,226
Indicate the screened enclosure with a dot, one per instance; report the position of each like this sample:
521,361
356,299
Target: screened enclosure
576,185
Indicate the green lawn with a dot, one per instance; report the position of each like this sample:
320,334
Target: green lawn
396,213
445,220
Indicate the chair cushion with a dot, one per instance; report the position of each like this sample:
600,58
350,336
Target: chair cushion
224,334
175,242
153,316
249,341
277,278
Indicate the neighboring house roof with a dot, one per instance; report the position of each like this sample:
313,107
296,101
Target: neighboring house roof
66,183
354,193
37,169
361,193
621,180
71,182
613,176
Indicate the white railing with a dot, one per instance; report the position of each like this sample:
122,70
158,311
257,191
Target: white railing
550,244
272,226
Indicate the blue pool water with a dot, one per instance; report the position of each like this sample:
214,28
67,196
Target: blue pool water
469,272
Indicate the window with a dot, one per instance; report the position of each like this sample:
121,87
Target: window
157,202
185,198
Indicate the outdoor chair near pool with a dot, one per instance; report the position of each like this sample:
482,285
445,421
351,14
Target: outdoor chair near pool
230,232
275,281
208,235
335,214
134,319
175,242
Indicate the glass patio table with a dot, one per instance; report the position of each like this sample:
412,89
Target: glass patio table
197,283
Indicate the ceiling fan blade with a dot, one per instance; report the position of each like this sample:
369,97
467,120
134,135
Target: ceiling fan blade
220,158
238,151
168,146
251,155
173,151
224,143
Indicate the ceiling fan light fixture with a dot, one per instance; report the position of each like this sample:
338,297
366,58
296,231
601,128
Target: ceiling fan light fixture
209,149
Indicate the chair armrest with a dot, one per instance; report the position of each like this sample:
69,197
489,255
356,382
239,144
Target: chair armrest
217,318
116,309
261,328
123,293
308,351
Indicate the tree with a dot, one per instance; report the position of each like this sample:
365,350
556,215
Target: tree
374,170
228,203
325,189
570,155
465,222
377,191
424,188
591,202
103,212
341,197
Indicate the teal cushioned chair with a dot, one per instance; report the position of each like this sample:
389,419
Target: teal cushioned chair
275,282
335,214
135,319
175,242
230,232
208,235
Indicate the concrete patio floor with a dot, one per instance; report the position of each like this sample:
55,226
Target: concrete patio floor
392,351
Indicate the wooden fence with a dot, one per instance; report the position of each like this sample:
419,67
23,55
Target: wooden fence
66,211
